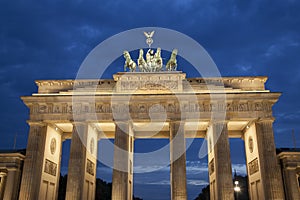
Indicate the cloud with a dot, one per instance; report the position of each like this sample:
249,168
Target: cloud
192,167
244,68
289,116
162,182
241,169
150,168
197,182
189,182
196,167
273,50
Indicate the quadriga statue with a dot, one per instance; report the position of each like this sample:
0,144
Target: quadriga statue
152,63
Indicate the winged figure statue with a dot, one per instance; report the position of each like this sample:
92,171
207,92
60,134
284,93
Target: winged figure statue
149,36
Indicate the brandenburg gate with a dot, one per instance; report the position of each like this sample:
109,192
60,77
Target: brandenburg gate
86,111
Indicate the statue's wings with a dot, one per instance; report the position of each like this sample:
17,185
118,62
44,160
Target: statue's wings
146,34
149,34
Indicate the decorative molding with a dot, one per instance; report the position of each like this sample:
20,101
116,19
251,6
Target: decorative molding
244,83
53,146
250,144
92,145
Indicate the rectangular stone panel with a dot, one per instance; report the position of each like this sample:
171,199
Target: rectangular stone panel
211,167
50,167
90,166
253,166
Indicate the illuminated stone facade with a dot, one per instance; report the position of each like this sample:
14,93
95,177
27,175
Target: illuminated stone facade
117,108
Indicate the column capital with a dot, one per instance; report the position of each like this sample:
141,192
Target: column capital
123,122
3,172
268,119
78,123
290,165
36,123
176,121
213,122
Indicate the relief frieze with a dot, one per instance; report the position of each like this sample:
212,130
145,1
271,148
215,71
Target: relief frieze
149,85
104,107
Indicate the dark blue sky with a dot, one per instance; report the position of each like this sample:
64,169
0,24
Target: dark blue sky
49,40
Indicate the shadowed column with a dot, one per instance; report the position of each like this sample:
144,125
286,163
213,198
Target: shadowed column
219,163
269,166
42,163
3,175
12,184
291,183
178,161
122,183
32,170
82,164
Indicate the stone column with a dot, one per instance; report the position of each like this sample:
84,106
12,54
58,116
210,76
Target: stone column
291,183
3,175
219,162
41,170
122,183
269,167
12,180
265,180
32,171
81,181
178,161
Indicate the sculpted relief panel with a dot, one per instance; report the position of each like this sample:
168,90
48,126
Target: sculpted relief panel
253,166
105,107
149,85
50,167
90,167
186,107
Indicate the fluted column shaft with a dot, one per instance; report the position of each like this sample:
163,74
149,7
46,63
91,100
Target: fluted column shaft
3,176
122,184
32,170
291,184
178,161
220,172
82,164
269,166
76,163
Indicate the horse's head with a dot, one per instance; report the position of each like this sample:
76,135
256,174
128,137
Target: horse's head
174,52
126,55
158,52
141,52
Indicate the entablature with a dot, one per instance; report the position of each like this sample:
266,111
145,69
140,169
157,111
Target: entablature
155,82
